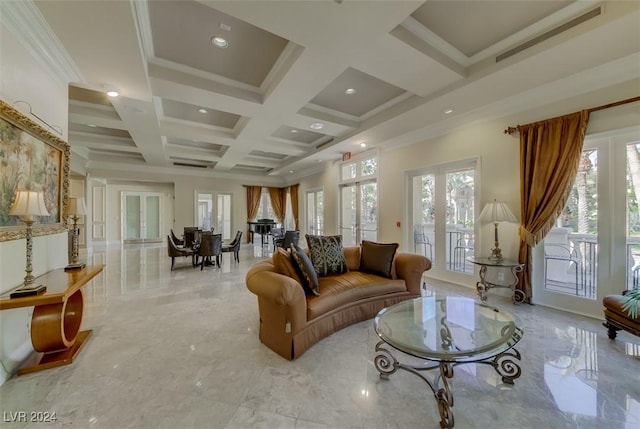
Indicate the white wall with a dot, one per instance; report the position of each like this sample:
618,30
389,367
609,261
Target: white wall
23,78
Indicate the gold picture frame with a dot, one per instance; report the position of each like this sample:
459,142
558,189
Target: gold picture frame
31,158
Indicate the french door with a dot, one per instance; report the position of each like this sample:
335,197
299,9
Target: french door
359,212
315,212
213,210
593,250
359,200
442,212
141,217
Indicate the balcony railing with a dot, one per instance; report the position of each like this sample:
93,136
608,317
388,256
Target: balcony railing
571,266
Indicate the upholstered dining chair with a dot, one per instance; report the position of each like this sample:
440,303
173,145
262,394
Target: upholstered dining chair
175,251
191,236
276,235
210,246
233,246
176,240
289,238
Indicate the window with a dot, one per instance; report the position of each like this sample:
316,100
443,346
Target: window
265,210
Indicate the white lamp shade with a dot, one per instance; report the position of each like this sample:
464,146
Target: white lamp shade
75,207
497,212
29,204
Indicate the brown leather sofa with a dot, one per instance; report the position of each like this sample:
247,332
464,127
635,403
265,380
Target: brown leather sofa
291,322
616,318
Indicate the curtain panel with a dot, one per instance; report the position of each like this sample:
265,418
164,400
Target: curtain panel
293,190
253,203
550,153
278,198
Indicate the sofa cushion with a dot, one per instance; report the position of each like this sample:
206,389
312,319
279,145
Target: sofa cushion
326,254
284,264
338,290
377,258
305,270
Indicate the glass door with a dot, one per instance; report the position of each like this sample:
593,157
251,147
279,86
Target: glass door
315,212
442,215
223,215
141,218
359,200
213,210
359,213
593,250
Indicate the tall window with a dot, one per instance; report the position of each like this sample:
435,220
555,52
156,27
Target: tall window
571,248
633,214
265,210
443,214
359,200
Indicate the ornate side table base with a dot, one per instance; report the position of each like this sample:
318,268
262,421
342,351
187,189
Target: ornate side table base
484,285
504,364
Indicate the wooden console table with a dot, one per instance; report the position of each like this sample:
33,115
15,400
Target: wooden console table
55,324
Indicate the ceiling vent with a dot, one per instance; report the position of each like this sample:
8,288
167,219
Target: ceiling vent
549,34
184,164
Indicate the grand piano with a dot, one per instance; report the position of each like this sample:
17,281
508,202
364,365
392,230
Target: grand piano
262,227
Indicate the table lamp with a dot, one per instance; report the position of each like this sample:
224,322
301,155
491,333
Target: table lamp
27,205
495,213
75,208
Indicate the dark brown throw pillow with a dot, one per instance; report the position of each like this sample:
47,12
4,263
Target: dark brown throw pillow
377,258
305,270
327,254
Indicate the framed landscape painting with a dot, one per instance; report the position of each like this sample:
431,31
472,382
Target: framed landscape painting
31,158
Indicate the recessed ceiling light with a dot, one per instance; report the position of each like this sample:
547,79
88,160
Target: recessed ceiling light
220,42
316,126
363,144
202,110
91,125
350,91
447,111
112,93
294,131
290,171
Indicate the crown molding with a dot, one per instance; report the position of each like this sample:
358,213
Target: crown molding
25,21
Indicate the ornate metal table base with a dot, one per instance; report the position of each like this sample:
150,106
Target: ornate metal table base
484,285
505,365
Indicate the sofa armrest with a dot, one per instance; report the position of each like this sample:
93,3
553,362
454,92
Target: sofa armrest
279,297
409,267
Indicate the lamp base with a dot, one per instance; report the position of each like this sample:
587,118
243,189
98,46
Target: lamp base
28,291
76,266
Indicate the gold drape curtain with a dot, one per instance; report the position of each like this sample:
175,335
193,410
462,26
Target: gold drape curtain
293,191
253,203
550,153
279,202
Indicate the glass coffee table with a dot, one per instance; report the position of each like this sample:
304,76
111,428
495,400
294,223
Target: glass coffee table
447,332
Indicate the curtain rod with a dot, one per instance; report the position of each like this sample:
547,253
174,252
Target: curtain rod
511,130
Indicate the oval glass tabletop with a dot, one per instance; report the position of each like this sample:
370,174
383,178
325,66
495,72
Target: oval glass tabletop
450,329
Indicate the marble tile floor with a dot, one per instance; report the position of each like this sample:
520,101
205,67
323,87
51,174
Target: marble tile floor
180,350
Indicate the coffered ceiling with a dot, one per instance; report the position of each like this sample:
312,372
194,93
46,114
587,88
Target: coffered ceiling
301,82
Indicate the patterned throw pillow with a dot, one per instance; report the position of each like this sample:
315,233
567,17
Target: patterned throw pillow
327,254
305,270
377,258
